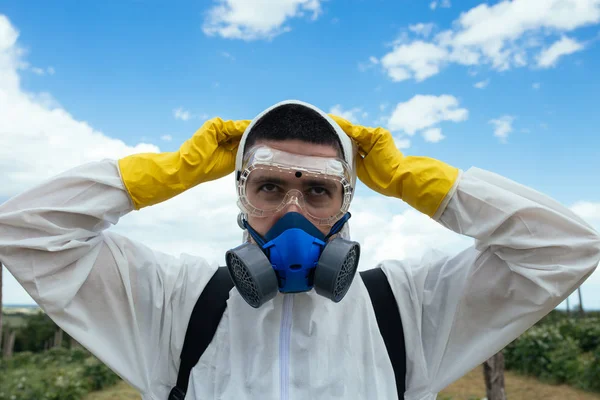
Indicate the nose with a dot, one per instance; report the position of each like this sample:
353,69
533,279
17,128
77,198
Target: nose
292,207
293,204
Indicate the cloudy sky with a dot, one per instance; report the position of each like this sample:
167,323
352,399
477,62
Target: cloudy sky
507,86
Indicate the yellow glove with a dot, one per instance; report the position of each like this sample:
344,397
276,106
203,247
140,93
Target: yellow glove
421,182
151,178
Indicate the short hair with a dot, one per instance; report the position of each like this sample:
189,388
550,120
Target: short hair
294,121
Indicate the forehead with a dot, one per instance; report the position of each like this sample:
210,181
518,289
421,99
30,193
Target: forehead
261,176
296,146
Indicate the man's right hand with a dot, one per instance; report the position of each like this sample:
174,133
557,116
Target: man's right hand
151,178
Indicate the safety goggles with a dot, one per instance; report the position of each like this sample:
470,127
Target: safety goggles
271,180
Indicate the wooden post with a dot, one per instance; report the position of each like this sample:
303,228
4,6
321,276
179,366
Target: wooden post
493,373
568,308
58,338
9,344
580,301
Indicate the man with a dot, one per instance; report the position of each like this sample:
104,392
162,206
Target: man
131,305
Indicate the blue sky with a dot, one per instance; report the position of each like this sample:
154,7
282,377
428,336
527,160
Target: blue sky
463,70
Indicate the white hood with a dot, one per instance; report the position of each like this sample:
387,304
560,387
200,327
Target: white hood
348,146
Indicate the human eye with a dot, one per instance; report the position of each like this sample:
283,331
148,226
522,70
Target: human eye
319,191
268,188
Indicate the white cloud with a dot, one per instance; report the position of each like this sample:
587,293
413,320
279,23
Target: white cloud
402,143
38,138
386,234
482,84
549,57
182,114
503,126
424,111
443,3
536,85
363,66
419,60
422,29
433,135
503,35
44,99
351,115
256,19
167,138
587,210
42,71
37,142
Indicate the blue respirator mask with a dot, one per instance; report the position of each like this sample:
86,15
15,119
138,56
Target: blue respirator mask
294,256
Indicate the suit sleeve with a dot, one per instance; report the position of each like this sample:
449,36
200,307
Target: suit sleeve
529,254
127,304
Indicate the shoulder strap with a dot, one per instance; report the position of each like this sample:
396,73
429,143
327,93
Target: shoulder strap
203,324
389,322
212,302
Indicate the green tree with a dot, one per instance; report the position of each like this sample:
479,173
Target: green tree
36,334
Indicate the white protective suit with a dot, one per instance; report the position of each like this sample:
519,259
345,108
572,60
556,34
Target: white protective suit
130,305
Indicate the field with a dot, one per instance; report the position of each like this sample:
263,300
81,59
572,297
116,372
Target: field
559,358
470,387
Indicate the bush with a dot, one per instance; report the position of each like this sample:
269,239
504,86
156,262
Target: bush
563,365
560,349
590,378
545,353
58,374
585,331
98,375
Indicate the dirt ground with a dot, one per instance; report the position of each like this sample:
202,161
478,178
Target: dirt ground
469,387
472,386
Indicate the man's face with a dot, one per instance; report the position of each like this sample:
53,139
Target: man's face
263,224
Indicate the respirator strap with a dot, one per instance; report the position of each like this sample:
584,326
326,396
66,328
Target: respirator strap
257,238
337,227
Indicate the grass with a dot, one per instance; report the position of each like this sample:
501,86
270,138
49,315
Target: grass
472,386
121,391
469,387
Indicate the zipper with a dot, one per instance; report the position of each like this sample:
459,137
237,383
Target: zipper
284,346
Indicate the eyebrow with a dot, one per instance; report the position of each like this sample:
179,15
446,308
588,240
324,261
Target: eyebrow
325,183
267,179
282,182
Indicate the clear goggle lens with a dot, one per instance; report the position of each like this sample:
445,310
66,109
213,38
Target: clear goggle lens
273,180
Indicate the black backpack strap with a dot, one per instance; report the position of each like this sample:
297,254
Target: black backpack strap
203,324
389,322
212,302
